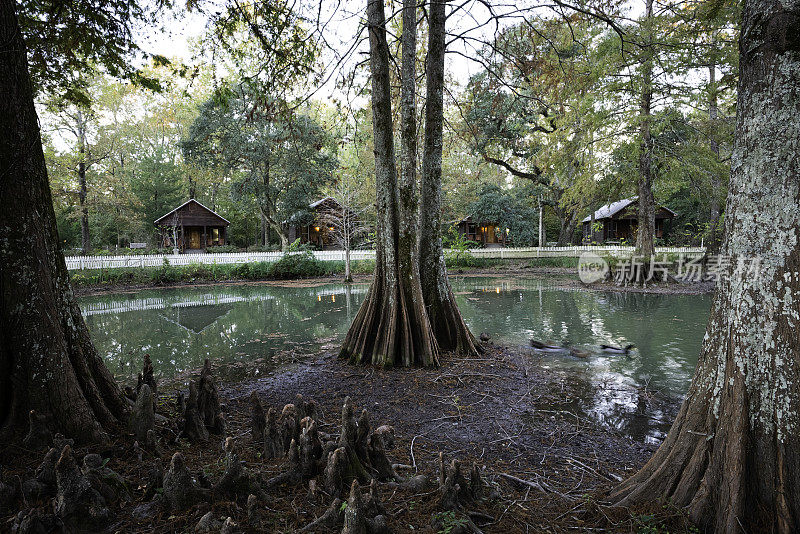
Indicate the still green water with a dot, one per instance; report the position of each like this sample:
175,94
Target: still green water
278,325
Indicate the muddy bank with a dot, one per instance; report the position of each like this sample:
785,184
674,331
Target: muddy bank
503,411
558,277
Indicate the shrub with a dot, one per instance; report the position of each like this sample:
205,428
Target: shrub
298,265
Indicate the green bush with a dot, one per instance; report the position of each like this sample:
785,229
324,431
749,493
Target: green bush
298,265
468,261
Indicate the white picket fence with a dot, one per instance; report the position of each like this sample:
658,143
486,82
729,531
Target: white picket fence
157,260
573,251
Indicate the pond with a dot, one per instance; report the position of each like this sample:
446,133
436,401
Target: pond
275,326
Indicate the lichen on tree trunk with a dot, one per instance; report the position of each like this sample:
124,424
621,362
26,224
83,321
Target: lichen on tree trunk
47,361
391,327
448,326
732,457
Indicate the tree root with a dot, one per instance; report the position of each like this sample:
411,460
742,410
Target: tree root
364,515
147,377
208,406
77,503
180,489
143,415
39,436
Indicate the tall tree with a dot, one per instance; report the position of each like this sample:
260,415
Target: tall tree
448,326
646,226
732,457
392,326
47,361
276,156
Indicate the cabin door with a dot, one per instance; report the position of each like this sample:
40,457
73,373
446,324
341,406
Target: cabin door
194,238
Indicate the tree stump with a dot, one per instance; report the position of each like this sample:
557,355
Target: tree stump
273,443
44,481
455,490
236,480
364,515
147,377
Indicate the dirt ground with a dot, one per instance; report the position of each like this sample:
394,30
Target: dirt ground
502,411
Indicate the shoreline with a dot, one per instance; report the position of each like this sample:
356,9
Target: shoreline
503,412
560,277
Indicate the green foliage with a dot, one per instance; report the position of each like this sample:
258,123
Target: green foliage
277,158
508,209
69,41
448,521
156,188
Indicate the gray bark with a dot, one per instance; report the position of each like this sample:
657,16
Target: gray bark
448,326
647,219
732,457
47,361
716,186
83,192
391,327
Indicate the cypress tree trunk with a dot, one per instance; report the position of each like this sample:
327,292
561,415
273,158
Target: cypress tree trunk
713,117
732,457
47,361
391,327
83,193
448,326
646,228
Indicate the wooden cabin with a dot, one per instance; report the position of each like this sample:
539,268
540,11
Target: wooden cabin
619,220
488,234
192,227
322,231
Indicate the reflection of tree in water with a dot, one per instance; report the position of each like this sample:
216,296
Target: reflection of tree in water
267,321
274,324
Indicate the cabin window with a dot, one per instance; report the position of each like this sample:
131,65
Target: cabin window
215,236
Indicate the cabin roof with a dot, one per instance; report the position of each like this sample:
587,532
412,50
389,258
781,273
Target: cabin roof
322,201
609,210
163,218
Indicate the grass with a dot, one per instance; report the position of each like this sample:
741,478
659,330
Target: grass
288,268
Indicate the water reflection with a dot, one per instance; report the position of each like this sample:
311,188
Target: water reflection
276,325
626,392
